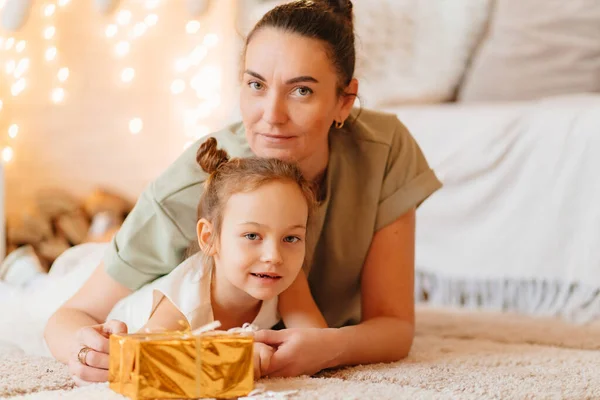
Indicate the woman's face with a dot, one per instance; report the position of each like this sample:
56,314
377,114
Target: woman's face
289,97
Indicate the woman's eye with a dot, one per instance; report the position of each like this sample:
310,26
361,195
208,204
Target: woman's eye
291,239
255,85
251,236
303,91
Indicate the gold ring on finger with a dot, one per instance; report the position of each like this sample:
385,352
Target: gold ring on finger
81,356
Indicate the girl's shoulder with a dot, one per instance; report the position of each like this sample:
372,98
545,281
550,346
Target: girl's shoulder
192,269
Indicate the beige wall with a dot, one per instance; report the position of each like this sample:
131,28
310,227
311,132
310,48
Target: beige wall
85,141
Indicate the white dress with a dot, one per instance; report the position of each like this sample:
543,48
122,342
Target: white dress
188,288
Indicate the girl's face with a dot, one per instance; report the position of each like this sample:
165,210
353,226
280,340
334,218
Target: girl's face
289,97
262,244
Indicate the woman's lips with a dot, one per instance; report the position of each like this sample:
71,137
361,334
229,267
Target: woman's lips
276,138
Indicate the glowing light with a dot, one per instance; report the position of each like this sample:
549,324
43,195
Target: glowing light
10,66
139,29
111,30
182,65
21,67
122,48
204,109
123,17
63,74
151,19
1,105
127,75
178,86
50,53
58,95
49,10
9,43
206,82
13,131
62,3
49,32
135,126
18,87
198,55
192,27
7,154
211,40
20,46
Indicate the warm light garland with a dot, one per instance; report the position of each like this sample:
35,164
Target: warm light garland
191,73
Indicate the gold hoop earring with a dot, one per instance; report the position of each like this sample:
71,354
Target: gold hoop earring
339,124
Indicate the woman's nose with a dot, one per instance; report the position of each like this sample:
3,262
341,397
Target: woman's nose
271,254
275,111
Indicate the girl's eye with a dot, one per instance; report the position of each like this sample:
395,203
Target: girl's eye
303,91
251,236
255,85
291,239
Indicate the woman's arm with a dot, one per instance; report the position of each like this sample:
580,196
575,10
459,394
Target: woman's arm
386,331
297,307
89,306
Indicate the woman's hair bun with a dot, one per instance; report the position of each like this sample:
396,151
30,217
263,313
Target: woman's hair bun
343,8
209,157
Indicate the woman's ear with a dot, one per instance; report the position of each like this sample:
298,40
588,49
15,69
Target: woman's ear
204,231
347,101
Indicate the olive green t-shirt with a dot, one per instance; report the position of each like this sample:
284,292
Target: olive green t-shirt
376,173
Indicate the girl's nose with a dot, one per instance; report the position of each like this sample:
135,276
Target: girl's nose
271,254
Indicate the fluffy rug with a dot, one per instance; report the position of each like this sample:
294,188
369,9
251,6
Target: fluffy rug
456,354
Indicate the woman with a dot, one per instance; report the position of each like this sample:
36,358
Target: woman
296,104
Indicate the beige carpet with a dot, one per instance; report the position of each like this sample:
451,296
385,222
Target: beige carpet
456,355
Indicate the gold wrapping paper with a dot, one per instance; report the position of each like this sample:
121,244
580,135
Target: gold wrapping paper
180,366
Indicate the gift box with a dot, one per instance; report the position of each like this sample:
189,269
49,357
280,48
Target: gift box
180,365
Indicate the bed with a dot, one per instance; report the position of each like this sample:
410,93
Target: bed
516,225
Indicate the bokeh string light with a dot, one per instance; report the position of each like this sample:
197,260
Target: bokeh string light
16,57
129,24
203,79
196,82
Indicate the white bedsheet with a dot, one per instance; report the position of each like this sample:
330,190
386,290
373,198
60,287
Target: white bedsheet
521,195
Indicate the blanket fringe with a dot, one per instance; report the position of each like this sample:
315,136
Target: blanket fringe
573,302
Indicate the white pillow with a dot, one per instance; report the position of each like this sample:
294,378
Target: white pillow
536,49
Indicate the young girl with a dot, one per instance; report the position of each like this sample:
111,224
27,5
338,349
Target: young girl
253,217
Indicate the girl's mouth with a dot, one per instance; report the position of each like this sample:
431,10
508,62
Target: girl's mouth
266,275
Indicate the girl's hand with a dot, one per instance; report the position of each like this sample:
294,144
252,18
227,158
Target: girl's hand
262,359
89,361
301,351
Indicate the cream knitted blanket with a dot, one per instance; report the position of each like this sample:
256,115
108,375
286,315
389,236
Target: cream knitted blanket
456,355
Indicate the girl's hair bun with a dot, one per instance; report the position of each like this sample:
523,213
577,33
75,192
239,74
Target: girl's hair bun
209,157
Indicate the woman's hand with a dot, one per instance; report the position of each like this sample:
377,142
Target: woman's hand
300,351
89,361
262,359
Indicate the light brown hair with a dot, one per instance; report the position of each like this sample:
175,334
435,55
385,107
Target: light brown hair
229,176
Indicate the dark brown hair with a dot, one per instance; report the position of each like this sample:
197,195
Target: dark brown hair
331,22
237,175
